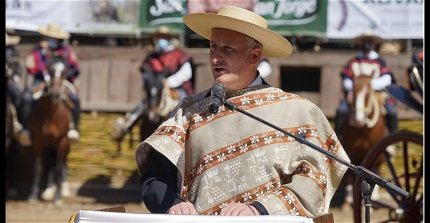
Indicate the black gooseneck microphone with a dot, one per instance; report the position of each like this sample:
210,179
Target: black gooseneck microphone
216,97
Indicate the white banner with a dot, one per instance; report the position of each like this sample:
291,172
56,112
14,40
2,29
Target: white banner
75,16
389,19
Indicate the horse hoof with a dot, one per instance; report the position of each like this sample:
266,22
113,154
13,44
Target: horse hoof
48,194
118,129
65,190
73,135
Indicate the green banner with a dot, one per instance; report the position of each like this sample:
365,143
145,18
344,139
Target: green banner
295,17
287,17
154,13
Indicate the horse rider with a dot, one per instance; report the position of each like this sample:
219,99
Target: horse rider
415,75
51,44
367,60
170,61
13,75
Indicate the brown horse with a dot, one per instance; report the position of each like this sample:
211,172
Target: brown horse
365,125
49,123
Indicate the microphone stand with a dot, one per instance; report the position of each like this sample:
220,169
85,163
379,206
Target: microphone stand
369,178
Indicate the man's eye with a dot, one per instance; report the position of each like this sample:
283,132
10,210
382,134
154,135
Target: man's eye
228,49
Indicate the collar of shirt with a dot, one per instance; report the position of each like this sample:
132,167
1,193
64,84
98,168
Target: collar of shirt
258,81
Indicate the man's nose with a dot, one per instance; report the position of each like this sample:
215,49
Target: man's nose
216,58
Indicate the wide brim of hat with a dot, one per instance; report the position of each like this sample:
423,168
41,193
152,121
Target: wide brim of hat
274,45
403,95
12,40
58,35
375,39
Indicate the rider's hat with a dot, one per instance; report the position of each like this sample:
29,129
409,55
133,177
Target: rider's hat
163,32
12,40
367,36
243,21
54,31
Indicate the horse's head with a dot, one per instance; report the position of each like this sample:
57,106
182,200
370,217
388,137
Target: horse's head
364,106
153,86
57,71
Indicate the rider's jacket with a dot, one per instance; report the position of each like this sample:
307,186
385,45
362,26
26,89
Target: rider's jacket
371,65
168,64
37,60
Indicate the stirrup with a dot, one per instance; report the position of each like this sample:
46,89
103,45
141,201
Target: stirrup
73,135
24,137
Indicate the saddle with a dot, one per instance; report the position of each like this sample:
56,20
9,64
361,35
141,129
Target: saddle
67,88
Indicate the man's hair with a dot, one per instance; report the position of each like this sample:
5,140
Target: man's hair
252,44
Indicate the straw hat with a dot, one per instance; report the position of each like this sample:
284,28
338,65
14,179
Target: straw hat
367,35
243,21
163,31
12,40
54,31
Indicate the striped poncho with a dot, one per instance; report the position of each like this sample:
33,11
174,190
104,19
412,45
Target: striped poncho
229,157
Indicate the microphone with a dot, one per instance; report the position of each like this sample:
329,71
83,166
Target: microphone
217,97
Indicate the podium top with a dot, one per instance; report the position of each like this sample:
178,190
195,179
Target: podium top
101,216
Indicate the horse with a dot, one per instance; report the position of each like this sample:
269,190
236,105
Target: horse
49,123
158,101
13,71
365,126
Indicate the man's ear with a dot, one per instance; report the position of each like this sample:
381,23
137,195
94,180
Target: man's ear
256,56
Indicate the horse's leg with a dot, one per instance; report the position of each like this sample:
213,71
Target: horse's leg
60,169
49,176
65,188
11,157
35,188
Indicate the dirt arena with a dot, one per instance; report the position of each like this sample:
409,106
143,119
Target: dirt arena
101,178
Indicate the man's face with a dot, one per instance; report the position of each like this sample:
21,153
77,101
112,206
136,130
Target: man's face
232,62
368,45
44,43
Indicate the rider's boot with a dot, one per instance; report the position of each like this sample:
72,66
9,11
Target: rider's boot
22,133
24,137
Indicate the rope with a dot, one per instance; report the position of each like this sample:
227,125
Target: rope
167,103
376,111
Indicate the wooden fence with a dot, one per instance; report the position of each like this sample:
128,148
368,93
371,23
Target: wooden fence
110,80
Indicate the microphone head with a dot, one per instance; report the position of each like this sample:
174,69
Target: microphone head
216,98
218,90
